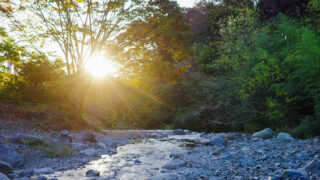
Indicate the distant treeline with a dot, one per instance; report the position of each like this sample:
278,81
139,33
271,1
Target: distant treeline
227,65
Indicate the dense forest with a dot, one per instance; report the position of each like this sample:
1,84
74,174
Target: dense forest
224,65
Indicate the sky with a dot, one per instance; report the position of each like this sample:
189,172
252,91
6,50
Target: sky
186,3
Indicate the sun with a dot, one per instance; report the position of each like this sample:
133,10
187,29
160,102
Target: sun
99,66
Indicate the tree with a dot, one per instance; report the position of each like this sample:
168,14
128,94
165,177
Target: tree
84,28
293,8
156,42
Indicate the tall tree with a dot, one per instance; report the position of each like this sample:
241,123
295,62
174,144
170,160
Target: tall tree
157,40
83,28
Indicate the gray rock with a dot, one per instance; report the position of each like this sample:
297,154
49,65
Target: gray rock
12,175
284,136
7,154
313,165
79,146
41,178
43,171
316,139
83,137
92,173
176,155
175,164
101,145
246,161
25,139
120,142
65,133
215,178
22,178
25,173
295,174
5,168
90,152
179,132
264,134
217,141
3,177
164,176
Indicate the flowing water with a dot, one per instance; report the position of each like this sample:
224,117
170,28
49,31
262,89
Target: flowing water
136,161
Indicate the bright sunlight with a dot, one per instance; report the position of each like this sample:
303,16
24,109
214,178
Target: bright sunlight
99,66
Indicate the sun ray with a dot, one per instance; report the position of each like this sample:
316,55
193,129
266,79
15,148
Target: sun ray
99,66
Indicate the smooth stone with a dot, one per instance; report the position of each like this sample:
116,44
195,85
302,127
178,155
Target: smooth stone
65,133
79,146
5,168
175,164
3,177
92,173
264,134
83,137
284,136
176,155
179,132
25,173
41,178
295,174
101,145
90,152
313,165
164,176
43,171
12,175
216,178
9,155
246,161
218,141
120,142
25,139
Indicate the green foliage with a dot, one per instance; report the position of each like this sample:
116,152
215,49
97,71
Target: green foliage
53,150
36,80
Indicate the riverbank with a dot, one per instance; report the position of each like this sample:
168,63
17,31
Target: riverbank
36,153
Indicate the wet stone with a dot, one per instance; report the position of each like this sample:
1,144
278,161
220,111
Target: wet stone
93,173
175,164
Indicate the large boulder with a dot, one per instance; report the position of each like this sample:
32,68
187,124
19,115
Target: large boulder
284,136
264,134
5,168
25,139
3,177
9,155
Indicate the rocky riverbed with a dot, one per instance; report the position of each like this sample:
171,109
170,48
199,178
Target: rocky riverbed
29,152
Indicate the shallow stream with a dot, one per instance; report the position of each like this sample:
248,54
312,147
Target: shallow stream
139,160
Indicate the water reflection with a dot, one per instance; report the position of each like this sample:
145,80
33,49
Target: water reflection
135,161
